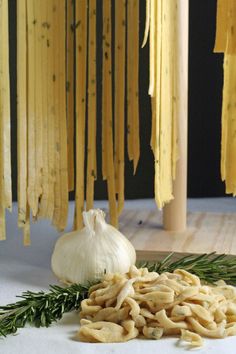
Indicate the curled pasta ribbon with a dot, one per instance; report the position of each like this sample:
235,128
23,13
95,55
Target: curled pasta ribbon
227,291
107,332
187,293
88,308
119,315
113,291
188,277
181,310
165,322
103,314
219,315
126,291
146,313
200,312
193,338
231,309
231,330
152,332
135,308
174,285
211,333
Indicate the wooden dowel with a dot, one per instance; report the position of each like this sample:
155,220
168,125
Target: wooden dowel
175,213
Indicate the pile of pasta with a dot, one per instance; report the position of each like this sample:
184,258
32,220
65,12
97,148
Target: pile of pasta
225,42
148,305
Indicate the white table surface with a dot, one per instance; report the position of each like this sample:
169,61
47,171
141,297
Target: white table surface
28,268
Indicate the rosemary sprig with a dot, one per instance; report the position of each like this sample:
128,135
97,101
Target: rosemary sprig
41,309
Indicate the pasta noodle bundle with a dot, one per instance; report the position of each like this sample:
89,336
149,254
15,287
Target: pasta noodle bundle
148,305
226,42
42,119
57,102
113,123
161,20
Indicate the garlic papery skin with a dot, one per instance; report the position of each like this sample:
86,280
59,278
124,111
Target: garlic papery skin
85,255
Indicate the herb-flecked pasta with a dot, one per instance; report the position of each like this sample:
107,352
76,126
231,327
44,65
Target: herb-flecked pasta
151,305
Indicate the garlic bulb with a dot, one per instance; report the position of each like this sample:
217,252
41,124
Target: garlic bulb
85,255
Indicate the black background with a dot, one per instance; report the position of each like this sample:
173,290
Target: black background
205,93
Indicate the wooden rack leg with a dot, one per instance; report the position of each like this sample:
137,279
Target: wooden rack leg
175,213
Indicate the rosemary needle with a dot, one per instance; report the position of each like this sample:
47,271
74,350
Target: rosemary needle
41,309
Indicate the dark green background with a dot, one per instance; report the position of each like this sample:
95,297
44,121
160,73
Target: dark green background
205,90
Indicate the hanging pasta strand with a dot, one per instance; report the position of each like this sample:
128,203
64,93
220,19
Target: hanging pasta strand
2,187
119,97
50,109
166,111
92,104
38,102
135,99
23,207
62,118
5,103
153,24
130,131
57,135
154,64
226,42
221,25
61,169
230,98
81,68
162,88
70,89
156,36
42,113
133,81
174,96
231,35
31,143
2,206
147,24
107,117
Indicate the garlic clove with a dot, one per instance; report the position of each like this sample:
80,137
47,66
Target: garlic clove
85,255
